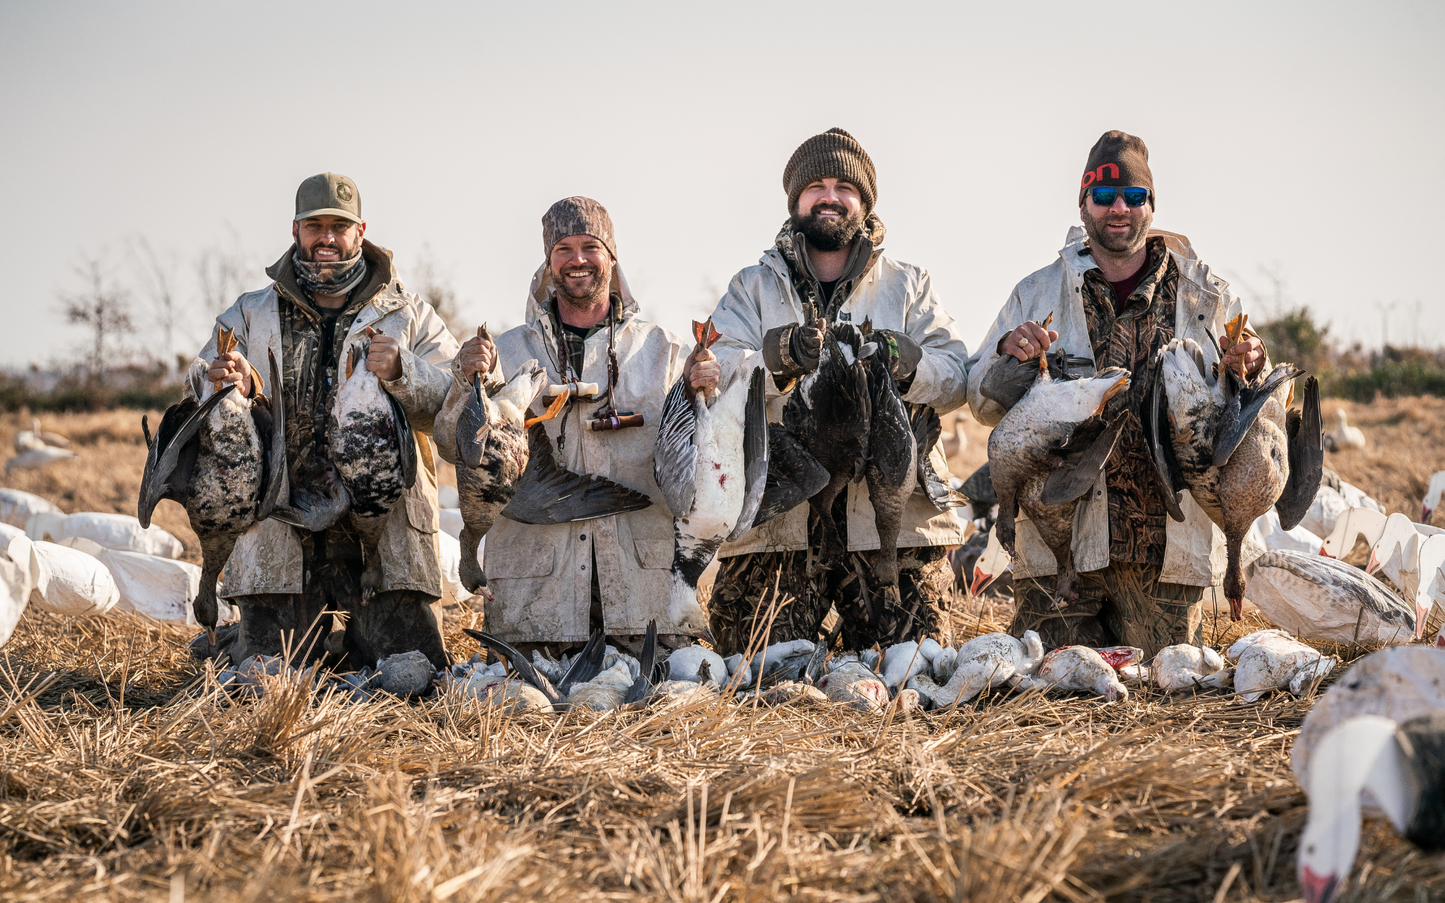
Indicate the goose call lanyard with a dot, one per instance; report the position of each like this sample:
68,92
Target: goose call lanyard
609,418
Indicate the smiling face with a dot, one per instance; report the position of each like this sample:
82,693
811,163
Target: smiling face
829,213
1120,229
581,270
326,239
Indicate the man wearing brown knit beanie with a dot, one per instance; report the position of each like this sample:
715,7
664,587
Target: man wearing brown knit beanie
1118,292
826,266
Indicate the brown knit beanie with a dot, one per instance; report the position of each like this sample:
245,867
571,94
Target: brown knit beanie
835,154
1118,160
576,216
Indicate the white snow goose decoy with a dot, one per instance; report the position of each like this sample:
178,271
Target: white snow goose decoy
1432,496
1344,436
1376,738
1320,598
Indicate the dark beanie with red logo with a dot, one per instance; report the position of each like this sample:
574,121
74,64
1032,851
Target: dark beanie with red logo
1118,160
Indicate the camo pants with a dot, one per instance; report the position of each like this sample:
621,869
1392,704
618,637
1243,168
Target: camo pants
1123,604
744,594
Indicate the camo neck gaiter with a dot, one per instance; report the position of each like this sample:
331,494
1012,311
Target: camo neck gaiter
329,278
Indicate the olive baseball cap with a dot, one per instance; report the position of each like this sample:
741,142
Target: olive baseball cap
328,194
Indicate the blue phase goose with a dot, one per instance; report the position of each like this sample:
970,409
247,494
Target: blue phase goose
1048,450
223,458
1234,444
711,464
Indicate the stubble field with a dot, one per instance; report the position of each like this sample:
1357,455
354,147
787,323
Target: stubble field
126,773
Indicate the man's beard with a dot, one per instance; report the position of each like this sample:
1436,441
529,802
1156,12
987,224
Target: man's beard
828,233
1123,245
595,292
329,269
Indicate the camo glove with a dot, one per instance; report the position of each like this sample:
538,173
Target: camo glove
790,351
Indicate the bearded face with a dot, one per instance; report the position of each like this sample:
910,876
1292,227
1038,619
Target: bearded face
328,240
582,271
829,226
1120,230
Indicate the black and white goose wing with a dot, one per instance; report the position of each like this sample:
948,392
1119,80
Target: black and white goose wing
1162,451
1243,403
674,463
548,493
519,663
755,452
1306,458
176,433
1082,459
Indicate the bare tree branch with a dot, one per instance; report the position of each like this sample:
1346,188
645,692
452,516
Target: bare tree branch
102,307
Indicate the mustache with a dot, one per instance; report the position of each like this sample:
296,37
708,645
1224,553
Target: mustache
828,207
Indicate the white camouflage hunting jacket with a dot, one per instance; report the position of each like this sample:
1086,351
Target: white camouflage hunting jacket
541,576
893,295
268,557
1194,550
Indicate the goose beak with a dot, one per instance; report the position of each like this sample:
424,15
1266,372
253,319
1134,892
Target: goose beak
980,582
1317,888
1374,564
1425,512
1236,609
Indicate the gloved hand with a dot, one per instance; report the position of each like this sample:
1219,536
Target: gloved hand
792,350
903,353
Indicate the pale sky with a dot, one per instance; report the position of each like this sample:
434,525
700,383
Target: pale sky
1306,136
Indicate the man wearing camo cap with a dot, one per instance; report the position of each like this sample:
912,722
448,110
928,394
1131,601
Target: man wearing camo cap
330,288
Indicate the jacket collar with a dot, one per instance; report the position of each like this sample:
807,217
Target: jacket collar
378,296
785,259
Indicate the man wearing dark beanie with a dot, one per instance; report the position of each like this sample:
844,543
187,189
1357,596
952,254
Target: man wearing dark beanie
1118,292
827,265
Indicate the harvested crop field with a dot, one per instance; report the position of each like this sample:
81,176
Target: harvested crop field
128,774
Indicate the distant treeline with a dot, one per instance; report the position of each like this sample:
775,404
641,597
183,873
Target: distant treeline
1352,373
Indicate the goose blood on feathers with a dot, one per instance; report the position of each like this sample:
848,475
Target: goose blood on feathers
711,464
1046,453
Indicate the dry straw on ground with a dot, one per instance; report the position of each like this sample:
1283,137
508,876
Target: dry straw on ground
127,774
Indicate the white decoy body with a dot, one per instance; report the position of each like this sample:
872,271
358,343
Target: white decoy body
112,531
18,573
1273,660
986,661
1183,667
17,506
33,458
1432,496
1276,538
1332,501
1319,598
1411,555
72,583
1344,436
1355,528
1079,668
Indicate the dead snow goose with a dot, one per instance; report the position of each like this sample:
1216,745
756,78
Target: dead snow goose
1235,445
1273,660
1079,668
1320,598
1183,667
711,464
856,686
1046,453
986,661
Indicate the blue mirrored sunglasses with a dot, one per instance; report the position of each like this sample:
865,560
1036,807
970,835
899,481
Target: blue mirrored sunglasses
1133,197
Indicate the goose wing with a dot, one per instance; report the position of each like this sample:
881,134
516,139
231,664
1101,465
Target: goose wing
1306,458
674,464
927,428
406,442
643,685
755,452
1165,467
548,493
794,475
1009,380
519,663
472,427
1082,459
274,436
587,664
177,429
891,444
1242,406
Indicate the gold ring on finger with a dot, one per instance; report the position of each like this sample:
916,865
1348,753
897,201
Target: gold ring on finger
1023,342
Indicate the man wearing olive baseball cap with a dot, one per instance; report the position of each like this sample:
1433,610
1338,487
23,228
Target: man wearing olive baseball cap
331,293
1118,292
826,266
